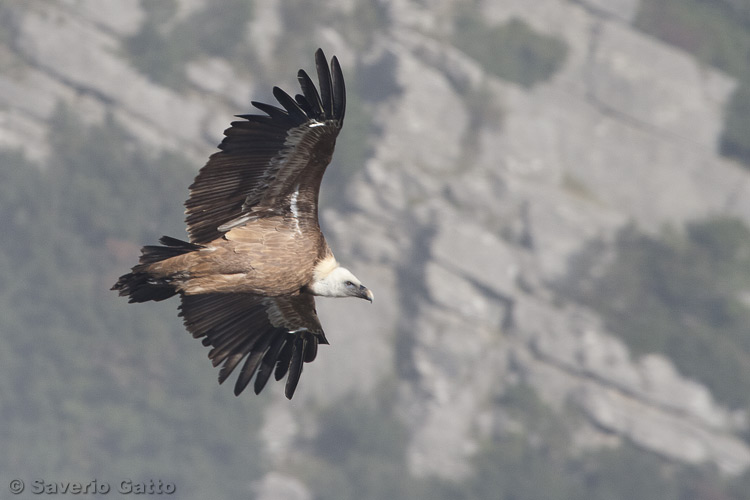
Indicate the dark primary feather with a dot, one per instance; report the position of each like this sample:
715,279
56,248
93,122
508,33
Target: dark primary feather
238,327
294,112
311,95
269,360
326,83
264,158
339,91
295,366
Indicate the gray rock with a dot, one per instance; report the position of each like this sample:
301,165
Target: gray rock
123,17
277,486
668,434
472,251
624,10
96,69
216,76
440,411
644,399
667,92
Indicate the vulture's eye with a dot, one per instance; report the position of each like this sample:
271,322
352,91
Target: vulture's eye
349,284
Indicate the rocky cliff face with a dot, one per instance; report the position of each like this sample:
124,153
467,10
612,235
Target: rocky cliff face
477,195
480,229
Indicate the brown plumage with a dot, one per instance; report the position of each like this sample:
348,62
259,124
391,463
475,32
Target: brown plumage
256,255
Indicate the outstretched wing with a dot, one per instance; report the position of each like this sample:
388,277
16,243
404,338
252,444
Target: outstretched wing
265,159
273,334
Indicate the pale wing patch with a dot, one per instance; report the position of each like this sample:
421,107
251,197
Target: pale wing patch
295,210
234,223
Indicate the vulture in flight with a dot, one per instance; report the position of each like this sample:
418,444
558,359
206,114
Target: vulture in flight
257,258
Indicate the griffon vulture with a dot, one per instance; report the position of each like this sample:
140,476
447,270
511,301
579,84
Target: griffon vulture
256,256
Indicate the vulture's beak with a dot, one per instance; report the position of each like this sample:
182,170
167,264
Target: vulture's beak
365,293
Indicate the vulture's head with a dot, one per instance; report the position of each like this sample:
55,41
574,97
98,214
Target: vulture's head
338,282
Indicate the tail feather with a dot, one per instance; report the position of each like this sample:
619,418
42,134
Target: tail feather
139,285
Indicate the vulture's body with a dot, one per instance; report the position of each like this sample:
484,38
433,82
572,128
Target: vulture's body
256,256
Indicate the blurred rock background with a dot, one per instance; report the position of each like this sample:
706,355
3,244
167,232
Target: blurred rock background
550,200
